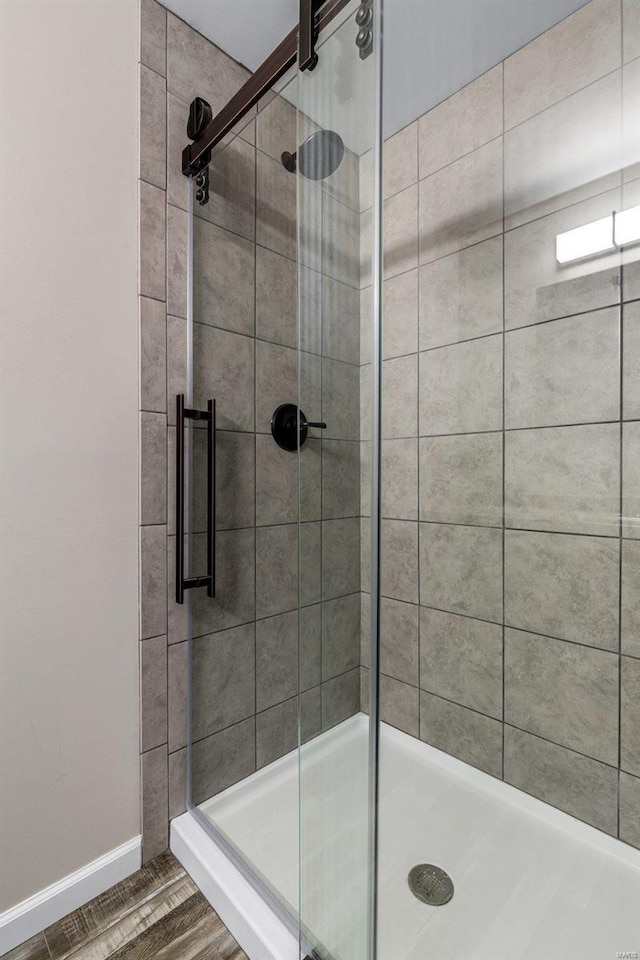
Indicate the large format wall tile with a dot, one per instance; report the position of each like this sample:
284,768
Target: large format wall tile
220,258
276,569
461,387
399,397
463,733
399,625
151,265
153,355
310,561
155,802
399,705
537,287
399,559
400,315
567,153
400,161
153,36
340,557
340,397
153,581
340,236
178,696
276,732
340,479
631,32
563,586
340,321
631,122
564,479
401,232
235,481
400,479
461,295
153,692
153,468
582,787
340,698
566,58
177,243
222,759
461,479
340,635
178,776
232,190
197,68
630,809
276,315
631,361
543,389
461,660
563,692
310,645
461,570
462,203
275,207
223,679
222,360
631,479
234,602
153,127
630,716
461,124
631,597
276,659
276,381
276,483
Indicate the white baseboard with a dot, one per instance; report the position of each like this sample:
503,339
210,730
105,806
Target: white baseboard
55,902
260,933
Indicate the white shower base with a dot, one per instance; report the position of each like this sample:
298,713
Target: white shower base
531,883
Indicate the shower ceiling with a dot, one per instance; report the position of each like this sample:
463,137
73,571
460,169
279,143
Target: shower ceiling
452,41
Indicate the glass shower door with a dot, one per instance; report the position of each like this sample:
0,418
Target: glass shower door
337,193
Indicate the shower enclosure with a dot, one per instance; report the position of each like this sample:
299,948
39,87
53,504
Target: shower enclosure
410,536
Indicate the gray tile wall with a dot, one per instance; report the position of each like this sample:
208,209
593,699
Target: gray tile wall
261,665
510,623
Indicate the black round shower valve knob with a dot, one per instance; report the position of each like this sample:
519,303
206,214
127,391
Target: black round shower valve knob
285,423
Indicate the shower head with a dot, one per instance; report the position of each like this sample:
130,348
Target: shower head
318,157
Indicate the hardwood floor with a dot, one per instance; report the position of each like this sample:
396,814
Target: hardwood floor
156,913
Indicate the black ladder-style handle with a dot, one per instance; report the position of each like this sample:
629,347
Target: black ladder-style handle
209,581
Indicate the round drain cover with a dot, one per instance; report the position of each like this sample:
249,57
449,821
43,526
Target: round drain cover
430,884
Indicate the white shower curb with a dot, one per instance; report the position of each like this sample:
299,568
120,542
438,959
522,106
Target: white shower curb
257,928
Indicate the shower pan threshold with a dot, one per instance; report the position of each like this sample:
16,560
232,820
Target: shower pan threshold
531,882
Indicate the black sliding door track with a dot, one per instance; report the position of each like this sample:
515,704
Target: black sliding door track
196,155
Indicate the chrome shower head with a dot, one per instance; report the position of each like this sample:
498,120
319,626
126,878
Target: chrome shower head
319,156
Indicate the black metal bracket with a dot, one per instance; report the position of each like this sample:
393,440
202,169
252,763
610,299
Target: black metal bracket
196,155
308,34
364,36
200,116
202,185
209,580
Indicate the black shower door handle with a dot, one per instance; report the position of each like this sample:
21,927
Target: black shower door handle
209,581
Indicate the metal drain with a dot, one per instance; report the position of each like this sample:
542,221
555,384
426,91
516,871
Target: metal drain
430,884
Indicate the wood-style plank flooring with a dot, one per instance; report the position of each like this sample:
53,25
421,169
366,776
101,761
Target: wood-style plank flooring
156,913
